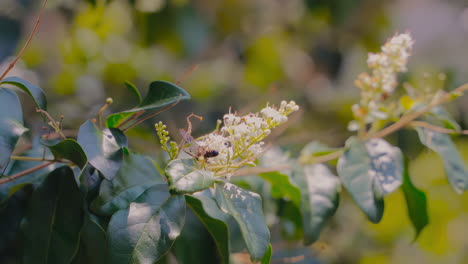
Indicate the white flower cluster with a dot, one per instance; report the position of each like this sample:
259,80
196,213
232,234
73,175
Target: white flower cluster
239,141
377,86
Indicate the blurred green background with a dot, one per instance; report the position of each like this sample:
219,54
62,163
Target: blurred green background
250,52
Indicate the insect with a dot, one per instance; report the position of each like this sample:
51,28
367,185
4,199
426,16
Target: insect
195,150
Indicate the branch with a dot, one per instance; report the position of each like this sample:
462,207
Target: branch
26,172
20,54
437,128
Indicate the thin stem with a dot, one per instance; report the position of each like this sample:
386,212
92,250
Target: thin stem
257,170
437,128
187,74
29,158
131,118
20,54
324,158
151,115
26,172
101,111
406,119
53,123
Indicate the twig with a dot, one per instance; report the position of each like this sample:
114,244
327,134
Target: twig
437,128
131,118
187,74
53,122
26,172
151,115
406,119
20,54
101,111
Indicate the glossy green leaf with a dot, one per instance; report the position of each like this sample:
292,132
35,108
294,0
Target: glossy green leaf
134,177
134,90
34,91
160,94
102,147
93,242
71,150
145,231
54,220
185,176
356,172
267,257
214,220
11,125
246,208
416,203
320,198
282,187
454,166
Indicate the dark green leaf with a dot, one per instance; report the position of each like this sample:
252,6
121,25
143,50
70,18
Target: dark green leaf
71,150
11,125
246,208
355,170
185,176
34,91
453,163
134,177
416,203
214,220
54,220
320,198
145,231
281,187
267,258
160,94
93,242
103,148
134,90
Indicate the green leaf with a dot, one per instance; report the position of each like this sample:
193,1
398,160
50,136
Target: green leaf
416,203
281,187
320,198
11,125
246,208
93,242
54,220
134,177
185,176
34,91
103,148
145,231
454,166
445,118
134,90
160,94
214,220
358,176
267,258
71,150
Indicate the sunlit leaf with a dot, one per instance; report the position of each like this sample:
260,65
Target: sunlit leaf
34,91
453,164
320,198
185,176
160,94
246,208
267,257
145,231
214,220
134,90
11,125
282,187
134,177
102,147
416,203
55,218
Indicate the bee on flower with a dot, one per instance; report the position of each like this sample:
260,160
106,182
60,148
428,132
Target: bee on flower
238,142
